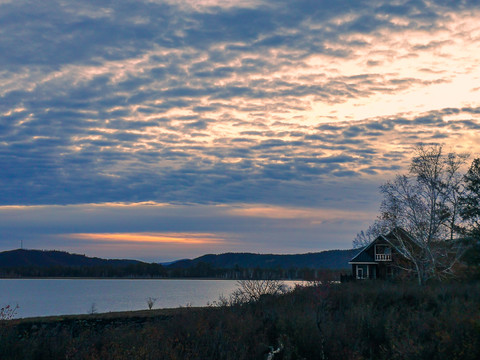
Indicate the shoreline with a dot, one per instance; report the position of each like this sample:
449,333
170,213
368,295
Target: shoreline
136,278
110,315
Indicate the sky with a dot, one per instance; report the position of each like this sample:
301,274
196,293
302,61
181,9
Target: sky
160,130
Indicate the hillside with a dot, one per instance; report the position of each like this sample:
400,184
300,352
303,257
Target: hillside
332,259
52,263
49,258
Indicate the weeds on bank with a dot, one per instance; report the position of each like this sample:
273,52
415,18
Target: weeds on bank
8,312
336,321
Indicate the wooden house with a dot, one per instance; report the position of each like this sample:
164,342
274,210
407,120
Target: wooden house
379,260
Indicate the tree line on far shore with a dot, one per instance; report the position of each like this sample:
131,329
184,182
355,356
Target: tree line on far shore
146,270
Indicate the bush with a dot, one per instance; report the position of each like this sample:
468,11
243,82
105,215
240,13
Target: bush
8,312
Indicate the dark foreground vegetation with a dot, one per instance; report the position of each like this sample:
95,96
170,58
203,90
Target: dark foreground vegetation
373,320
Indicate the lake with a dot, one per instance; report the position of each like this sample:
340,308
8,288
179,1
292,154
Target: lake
44,297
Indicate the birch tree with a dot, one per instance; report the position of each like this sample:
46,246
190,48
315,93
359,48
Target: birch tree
425,203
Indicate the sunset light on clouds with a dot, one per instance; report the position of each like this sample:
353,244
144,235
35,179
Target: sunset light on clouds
151,238
189,127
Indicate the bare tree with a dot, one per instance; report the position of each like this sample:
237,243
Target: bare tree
252,290
364,238
150,302
93,309
426,202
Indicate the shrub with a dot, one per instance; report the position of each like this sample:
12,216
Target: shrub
8,312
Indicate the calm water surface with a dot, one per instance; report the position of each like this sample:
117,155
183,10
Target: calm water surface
43,297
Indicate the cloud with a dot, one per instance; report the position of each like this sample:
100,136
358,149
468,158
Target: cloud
290,104
133,166
160,232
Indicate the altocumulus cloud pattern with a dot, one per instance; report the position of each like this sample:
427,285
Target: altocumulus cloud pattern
304,104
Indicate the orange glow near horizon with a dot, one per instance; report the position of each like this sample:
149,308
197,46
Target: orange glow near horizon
159,238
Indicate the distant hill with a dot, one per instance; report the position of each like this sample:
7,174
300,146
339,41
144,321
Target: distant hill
48,258
53,263
331,259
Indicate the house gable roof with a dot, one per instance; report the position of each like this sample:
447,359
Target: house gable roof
364,257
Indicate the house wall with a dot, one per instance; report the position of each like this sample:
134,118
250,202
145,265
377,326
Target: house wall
369,270
382,271
376,271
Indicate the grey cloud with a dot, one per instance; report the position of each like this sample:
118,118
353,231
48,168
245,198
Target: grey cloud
106,36
101,92
471,110
50,227
80,138
131,124
431,45
472,125
344,173
71,37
